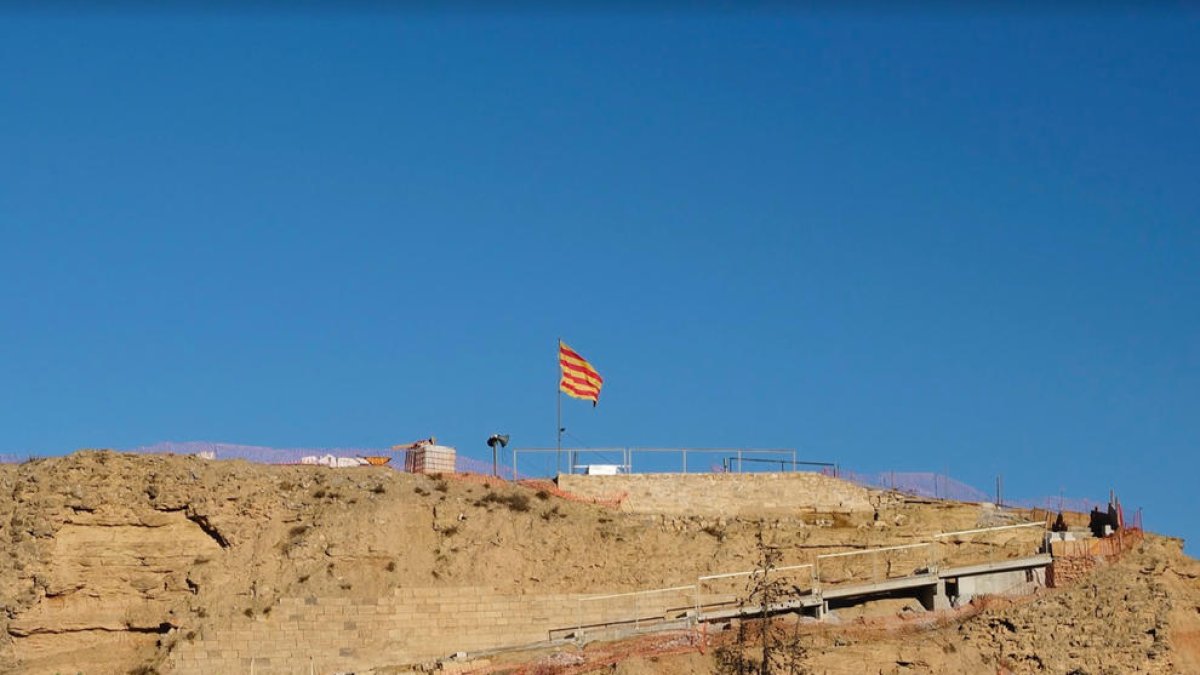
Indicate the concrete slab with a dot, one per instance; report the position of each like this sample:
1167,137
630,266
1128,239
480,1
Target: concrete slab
1029,562
916,581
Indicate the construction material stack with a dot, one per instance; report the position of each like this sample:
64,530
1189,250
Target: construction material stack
426,456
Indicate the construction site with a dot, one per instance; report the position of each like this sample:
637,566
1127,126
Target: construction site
196,563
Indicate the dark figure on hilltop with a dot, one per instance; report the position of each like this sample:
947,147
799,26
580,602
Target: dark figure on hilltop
1060,524
1103,523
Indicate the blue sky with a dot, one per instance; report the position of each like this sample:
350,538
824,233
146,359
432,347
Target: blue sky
895,240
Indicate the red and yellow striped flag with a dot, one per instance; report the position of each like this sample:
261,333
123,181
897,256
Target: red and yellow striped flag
579,378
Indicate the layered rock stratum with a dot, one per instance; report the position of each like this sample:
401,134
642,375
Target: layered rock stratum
112,563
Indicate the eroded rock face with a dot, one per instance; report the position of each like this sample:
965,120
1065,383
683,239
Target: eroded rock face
115,576
95,574
108,561
106,554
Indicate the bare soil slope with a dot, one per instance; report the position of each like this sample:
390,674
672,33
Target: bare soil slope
1140,615
109,558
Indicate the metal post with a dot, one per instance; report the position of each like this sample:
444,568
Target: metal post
514,465
739,459
793,461
684,460
558,427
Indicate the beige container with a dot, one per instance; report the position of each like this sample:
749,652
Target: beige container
430,459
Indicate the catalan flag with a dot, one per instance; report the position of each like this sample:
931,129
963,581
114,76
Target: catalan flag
579,378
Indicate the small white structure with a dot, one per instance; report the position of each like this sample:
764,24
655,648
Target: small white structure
602,469
334,462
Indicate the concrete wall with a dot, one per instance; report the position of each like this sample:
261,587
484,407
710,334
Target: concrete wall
996,583
410,626
723,494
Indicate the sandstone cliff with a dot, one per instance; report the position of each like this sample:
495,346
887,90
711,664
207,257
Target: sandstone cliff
114,562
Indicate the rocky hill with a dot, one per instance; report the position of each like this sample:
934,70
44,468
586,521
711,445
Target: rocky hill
118,563
1139,615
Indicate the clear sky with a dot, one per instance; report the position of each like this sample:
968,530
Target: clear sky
907,240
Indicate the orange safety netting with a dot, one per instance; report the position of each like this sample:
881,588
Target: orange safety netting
603,655
611,502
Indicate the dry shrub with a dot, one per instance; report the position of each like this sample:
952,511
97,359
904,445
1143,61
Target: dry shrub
514,502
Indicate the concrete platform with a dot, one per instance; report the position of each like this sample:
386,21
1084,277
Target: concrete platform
1030,562
873,588
929,587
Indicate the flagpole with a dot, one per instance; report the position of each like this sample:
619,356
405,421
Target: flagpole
558,424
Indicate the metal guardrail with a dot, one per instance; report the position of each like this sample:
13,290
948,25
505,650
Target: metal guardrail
928,563
731,459
706,580
866,551
994,551
636,596
729,575
987,529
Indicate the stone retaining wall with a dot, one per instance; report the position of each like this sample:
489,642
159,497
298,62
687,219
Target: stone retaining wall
724,494
1067,570
412,625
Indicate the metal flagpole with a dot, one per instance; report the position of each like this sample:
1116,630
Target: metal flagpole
558,425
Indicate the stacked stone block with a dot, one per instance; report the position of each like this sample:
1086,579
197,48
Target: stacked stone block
341,634
724,494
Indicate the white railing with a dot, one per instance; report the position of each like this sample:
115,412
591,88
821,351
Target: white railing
550,461
707,580
987,529
636,596
994,550
929,563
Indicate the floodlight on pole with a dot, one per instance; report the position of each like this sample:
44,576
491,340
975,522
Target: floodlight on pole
495,442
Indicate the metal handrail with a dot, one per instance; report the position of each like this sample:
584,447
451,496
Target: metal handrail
873,550
733,456
752,572
636,595
987,529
